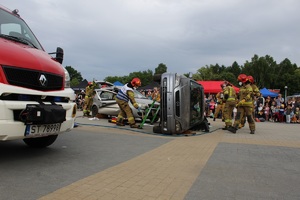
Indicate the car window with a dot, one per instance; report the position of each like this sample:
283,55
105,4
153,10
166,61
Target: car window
139,95
105,95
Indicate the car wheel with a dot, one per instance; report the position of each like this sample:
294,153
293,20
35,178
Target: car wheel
94,111
40,142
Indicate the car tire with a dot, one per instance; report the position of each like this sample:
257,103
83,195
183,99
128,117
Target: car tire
94,111
40,142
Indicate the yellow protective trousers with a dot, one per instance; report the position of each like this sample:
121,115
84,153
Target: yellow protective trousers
228,109
125,111
244,111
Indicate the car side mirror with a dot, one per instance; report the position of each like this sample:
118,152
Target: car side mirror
59,55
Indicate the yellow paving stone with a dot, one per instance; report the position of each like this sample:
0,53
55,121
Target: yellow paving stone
168,171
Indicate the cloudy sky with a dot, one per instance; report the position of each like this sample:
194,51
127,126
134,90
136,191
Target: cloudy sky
104,38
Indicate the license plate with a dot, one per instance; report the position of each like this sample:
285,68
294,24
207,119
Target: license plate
42,129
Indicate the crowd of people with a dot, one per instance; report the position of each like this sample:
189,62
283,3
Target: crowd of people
152,94
233,107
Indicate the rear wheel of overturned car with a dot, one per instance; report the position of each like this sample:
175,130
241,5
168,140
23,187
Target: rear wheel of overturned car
94,111
40,142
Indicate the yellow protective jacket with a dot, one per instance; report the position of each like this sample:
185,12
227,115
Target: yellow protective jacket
229,93
126,94
255,90
246,96
89,89
220,97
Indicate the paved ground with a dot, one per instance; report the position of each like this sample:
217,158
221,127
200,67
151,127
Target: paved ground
215,165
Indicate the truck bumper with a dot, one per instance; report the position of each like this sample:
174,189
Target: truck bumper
11,129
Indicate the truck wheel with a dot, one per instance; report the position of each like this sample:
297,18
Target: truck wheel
94,111
40,142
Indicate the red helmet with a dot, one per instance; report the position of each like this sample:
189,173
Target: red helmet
136,82
251,79
90,83
242,78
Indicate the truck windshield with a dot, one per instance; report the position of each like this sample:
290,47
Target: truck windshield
14,28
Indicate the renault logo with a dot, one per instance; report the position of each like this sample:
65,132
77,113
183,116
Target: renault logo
43,80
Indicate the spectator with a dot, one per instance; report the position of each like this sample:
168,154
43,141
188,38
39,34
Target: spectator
212,108
297,103
268,100
267,111
155,94
279,100
80,100
296,117
288,113
260,116
148,94
260,100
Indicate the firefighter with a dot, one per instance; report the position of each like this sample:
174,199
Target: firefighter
125,95
230,98
256,93
245,105
220,103
88,99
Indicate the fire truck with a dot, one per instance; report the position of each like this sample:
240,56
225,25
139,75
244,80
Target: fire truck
36,101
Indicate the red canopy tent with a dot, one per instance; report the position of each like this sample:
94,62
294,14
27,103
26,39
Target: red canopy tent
213,87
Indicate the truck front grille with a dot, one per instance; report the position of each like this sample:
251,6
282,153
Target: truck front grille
33,79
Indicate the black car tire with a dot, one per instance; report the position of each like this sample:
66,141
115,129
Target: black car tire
94,111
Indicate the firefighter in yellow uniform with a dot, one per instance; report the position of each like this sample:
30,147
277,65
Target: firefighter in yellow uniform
220,104
230,98
256,93
245,105
125,95
88,99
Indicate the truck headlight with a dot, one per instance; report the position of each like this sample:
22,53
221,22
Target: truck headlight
67,79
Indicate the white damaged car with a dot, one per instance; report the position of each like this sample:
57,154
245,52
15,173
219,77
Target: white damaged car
104,103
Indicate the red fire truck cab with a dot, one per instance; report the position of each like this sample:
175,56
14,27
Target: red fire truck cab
36,101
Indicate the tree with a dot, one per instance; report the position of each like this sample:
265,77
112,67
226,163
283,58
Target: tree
160,69
75,76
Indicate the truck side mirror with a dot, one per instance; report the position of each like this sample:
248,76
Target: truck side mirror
59,55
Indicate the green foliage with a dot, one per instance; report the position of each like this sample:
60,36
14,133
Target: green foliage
265,71
75,76
74,82
160,69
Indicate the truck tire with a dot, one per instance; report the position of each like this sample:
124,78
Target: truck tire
40,142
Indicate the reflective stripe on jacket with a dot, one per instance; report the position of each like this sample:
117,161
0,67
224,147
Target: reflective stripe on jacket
122,94
231,93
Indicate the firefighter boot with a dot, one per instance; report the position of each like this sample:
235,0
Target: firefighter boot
252,131
134,126
225,128
232,129
241,126
120,122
